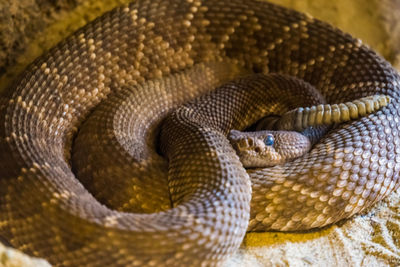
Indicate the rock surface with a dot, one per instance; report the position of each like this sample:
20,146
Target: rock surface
21,21
13,258
30,27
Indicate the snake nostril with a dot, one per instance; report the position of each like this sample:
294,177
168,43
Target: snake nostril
257,149
257,69
242,143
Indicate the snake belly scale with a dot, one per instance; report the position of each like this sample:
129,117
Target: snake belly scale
45,211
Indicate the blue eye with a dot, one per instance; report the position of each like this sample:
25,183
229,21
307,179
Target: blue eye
269,140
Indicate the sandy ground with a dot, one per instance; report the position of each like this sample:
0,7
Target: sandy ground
369,239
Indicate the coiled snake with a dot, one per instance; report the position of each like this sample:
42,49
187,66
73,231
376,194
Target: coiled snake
45,210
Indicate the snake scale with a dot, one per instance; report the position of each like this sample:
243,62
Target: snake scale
45,211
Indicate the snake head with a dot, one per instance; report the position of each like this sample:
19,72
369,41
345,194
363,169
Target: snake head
268,148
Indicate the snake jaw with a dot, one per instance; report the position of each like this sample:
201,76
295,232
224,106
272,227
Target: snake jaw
255,153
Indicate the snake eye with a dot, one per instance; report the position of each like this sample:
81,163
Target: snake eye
269,140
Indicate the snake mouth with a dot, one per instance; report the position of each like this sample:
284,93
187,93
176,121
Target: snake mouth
252,159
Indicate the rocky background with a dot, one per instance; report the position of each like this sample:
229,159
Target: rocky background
30,27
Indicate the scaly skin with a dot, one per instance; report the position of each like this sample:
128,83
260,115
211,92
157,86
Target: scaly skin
44,209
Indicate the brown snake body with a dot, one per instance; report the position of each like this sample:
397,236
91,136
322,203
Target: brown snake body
45,210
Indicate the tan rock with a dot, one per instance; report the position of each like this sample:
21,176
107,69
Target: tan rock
13,258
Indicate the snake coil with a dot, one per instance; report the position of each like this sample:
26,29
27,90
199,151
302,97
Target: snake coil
45,211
